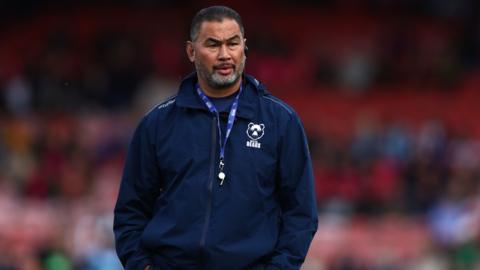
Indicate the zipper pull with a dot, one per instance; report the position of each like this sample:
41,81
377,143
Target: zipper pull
221,174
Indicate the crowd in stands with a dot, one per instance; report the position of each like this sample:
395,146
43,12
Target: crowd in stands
74,82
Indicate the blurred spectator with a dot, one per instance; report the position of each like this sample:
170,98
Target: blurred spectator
18,96
357,71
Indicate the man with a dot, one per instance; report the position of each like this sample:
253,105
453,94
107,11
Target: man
219,176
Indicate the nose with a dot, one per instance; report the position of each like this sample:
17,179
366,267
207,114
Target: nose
224,54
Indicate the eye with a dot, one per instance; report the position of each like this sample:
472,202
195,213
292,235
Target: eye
211,44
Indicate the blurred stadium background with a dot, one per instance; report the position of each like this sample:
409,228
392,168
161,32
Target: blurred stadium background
388,91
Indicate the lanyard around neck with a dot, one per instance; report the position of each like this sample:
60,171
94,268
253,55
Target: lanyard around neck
231,119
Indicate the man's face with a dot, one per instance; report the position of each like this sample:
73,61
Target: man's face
218,53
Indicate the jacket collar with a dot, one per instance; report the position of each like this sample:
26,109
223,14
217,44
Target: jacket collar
187,97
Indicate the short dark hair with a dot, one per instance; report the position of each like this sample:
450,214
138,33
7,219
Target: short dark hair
213,13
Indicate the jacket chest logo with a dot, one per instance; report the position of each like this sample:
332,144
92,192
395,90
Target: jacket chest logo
255,132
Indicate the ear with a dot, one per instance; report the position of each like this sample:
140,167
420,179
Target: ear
190,51
262,126
250,125
245,48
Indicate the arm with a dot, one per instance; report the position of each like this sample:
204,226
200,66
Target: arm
296,198
138,189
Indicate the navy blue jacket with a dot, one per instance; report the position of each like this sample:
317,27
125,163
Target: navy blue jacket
171,211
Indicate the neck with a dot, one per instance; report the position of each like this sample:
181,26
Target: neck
219,92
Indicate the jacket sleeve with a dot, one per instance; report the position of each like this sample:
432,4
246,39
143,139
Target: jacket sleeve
299,218
134,207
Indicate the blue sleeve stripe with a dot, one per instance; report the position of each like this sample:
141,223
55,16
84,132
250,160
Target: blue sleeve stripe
163,104
280,103
166,103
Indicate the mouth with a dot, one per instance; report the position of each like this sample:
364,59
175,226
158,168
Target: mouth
224,69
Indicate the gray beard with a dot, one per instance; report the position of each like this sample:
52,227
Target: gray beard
217,81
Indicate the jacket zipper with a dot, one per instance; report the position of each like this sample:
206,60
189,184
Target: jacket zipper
210,183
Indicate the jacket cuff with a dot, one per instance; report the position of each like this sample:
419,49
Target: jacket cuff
141,264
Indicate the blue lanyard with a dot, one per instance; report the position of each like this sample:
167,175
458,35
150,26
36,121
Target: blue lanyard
231,119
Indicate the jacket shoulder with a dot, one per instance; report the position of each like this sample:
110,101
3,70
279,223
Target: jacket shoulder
278,104
161,107
286,117
159,111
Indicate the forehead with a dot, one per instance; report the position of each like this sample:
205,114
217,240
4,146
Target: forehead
221,30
